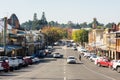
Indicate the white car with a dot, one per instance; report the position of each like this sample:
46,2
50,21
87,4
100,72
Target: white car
57,55
92,58
86,54
71,59
116,66
13,63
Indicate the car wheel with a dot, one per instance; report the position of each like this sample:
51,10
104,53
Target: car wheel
98,65
11,69
118,69
5,70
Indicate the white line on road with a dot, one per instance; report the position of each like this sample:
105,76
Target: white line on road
65,66
110,78
65,78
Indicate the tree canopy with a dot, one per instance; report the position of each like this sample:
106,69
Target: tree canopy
80,36
53,34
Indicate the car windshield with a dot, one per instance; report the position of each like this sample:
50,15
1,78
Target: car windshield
71,57
57,53
94,56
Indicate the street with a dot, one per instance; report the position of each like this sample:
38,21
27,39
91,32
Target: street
58,69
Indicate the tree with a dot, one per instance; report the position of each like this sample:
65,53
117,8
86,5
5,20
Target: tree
80,36
35,17
53,34
83,25
109,25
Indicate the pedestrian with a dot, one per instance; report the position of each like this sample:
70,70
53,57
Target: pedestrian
80,57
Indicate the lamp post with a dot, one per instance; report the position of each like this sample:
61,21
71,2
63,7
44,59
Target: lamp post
25,42
94,42
5,32
109,44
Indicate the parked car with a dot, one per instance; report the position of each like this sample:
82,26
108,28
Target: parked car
92,58
111,63
98,59
28,60
48,51
40,53
74,48
83,51
116,66
104,62
57,55
86,55
34,59
4,66
71,59
20,61
13,62
56,44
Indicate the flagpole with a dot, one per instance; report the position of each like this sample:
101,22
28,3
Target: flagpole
5,33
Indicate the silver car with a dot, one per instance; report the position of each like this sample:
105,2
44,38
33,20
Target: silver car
71,59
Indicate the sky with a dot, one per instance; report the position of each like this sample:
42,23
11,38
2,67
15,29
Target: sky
62,11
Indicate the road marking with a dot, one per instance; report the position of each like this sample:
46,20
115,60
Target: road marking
65,66
65,78
99,73
64,69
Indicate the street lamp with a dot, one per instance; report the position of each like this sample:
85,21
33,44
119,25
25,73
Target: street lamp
5,32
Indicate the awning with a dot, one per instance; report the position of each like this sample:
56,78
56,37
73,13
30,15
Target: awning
10,48
103,47
14,47
7,49
36,43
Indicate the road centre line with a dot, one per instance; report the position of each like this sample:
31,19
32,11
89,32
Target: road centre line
65,65
110,78
65,78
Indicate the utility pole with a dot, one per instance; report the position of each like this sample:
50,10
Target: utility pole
5,32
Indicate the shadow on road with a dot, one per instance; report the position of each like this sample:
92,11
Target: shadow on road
47,60
79,63
33,78
7,74
18,71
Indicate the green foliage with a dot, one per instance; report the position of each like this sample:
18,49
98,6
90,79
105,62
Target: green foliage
80,35
109,25
100,27
53,34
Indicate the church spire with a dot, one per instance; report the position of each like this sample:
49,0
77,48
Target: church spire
43,18
35,17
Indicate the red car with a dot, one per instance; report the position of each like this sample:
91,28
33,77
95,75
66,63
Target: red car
5,65
104,62
28,60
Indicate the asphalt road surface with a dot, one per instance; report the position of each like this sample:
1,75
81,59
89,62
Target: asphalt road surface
58,69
